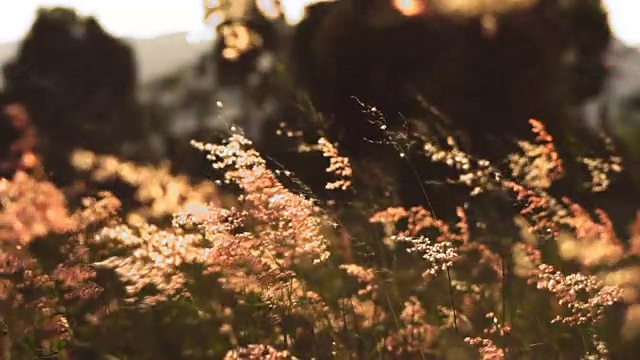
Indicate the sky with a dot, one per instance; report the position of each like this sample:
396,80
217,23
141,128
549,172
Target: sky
149,18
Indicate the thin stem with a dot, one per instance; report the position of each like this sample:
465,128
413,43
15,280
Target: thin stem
453,305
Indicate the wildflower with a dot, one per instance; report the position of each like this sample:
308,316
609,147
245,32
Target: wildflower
19,154
364,276
595,241
488,350
154,260
159,193
440,255
257,352
541,164
584,296
477,174
30,209
415,335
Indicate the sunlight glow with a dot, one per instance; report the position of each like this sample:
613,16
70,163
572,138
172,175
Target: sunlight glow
409,7
150,18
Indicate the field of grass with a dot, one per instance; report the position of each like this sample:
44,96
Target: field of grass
243,267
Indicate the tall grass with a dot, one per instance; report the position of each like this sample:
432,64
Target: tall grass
245,268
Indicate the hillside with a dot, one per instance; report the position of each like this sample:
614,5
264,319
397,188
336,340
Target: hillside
156,56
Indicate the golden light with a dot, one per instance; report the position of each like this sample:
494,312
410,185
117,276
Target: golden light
409,7
268,8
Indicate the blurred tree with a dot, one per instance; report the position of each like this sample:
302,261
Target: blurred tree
480,70
78,85
488,68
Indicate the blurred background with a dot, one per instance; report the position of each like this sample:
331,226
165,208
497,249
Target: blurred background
431,81
183,83
149,19
152,18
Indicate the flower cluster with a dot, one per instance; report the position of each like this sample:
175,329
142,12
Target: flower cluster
159,193
257,352
416,335
600,168
20,154
584,296
38,289
540,165
439,255
338,165
253,246
418,219
289,226
154,260
477,174
364,276
593,242
488,350
30,209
